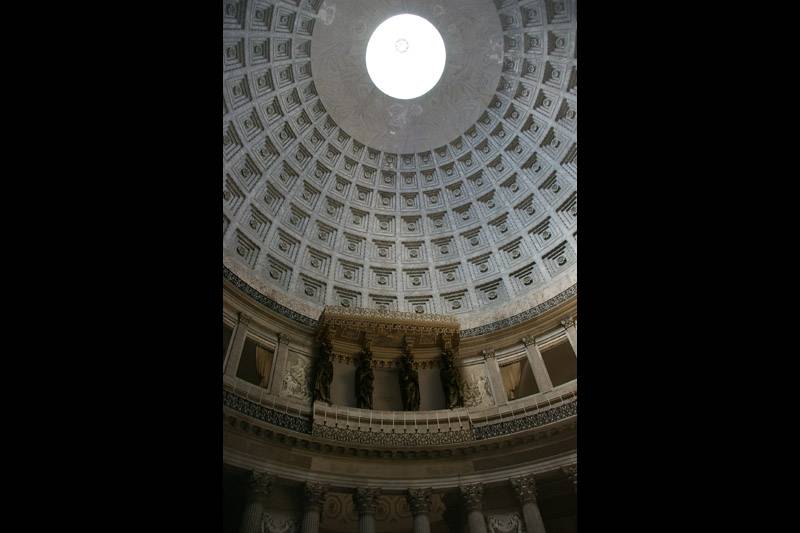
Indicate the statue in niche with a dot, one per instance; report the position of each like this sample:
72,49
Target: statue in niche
364,378
409,380
322,385
450,380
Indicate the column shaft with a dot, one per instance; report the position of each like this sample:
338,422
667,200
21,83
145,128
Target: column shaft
281,355
237,344
422,524
533,518
572,335
366,523
258,490
477,524
311,521
493,369
538,368
251,520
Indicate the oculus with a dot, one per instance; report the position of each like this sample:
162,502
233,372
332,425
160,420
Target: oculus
405,56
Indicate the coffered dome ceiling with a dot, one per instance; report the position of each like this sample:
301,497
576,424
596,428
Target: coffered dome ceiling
462,201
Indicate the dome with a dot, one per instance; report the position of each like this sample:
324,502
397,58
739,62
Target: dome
462,201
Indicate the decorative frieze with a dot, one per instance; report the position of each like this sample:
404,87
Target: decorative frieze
265,414
549,416
392,439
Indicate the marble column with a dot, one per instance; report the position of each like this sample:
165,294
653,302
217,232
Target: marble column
419,501
258,488
525,487
366,500
493,369
473,502
538,367
572,473
571,327
231,363
314,497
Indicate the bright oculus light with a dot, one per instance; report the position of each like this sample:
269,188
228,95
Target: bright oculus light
405,56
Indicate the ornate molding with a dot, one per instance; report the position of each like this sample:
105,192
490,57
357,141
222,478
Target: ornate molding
366,499
314,495
540,418
504,523
373,321
419,501
399,443
266,301
472,496
265,414
525,488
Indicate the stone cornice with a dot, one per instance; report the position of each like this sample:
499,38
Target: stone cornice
346,481
300,318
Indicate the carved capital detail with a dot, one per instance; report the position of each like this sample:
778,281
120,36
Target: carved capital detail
419,501
284,338
259,484
243,318
528,340
568,322
314,495
572,472
366,499
488,354
525,487
473,496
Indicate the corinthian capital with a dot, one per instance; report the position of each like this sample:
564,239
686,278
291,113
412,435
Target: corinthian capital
419,500
284,338
259,484
488,354
572,473
525,487
568,322
366,499
473,496
528,340
314,495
